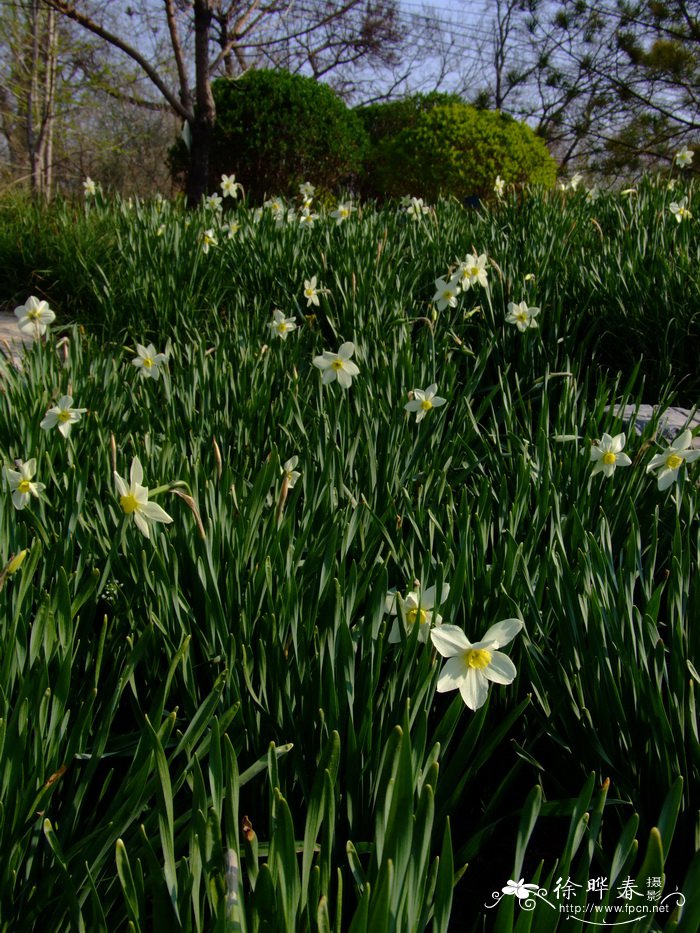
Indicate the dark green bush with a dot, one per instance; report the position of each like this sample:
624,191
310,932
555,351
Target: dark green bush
275,130
448,148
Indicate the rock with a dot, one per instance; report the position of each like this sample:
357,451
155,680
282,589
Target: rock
671,422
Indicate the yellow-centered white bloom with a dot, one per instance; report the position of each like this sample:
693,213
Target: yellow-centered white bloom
89,187
499,186
470,667
684,157
133,499
148,362
229,186
34,316
607,454
672,459
21,485
423,400
307,218
311,292
213,202
446,293
415,207
62,415
307,190
231,229
208,238
338,365
472,272
680,210
281,325
522,316
342,211
290,474
418,608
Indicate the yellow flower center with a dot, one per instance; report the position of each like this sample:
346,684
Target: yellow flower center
426,404
477,658
337,365
24,486
34,314
147,362
609,457
416,614
129,503
63,416
281,327
674,462
522,317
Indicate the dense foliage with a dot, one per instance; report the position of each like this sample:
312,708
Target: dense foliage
274,130
453,149
215,729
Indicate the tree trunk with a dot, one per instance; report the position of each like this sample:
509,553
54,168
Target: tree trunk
202,126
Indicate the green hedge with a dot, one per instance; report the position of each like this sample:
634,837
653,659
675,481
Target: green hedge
275,130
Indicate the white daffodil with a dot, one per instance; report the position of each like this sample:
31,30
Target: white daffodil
521,890
229,186
338,365
208,239
472,272
575,181
21,485
499,186
607,454
680,209
311,292
307,218
423,400
418,608
342,211
290,473
307,190
34,316
133,499
89,188
282,325
522,316
148,362
62,415
593,193
415,208
470,667
684,157
446,293
213,202
672,459
231,229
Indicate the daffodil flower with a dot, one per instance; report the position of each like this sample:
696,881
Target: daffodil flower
213,202
471,667
522,316
133,499
672,459
21,485
499,186
34,316
684,157
62,415
338,365
306,218
290,473
307,190
148,362
680,209
423,400
231,229
415,208
418,609
446,293
281,325
607,455
311,292
342,211
472,272
89,187
208,239
229,186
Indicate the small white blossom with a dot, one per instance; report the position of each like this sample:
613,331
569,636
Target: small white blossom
281,325
684,157
208,239
522,316
62,415
342,211
148,361
680,209
213,202
607,455
311,292
672,459
417,608
423,401
133,499
337,365
229,186
499,186
89,187
34,316
290,473
21,485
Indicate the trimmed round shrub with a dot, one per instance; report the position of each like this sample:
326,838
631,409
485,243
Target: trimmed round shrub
453,149
275,130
